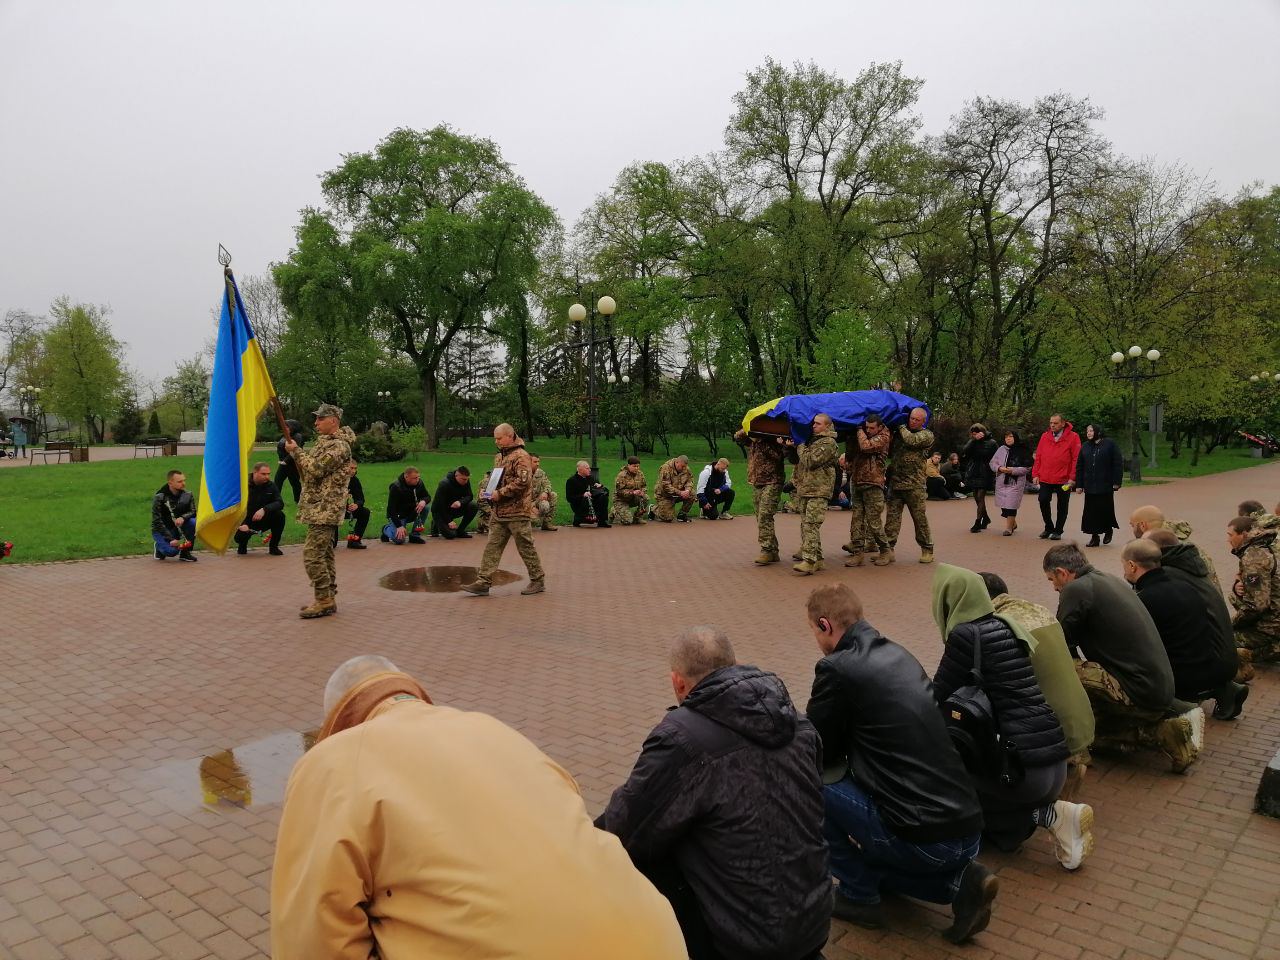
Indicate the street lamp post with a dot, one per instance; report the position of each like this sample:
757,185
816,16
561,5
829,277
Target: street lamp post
1128,367
605,306
29,406
622,437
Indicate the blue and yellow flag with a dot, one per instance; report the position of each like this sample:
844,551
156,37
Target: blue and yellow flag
240,391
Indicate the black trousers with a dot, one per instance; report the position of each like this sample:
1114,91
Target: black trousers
936,488
599,500
288,473
1047,493
273,522
361,516
711,501
443,515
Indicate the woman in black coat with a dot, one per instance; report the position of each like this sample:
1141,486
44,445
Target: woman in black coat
976,457
1099,473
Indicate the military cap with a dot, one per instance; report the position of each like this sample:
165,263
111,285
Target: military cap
328,410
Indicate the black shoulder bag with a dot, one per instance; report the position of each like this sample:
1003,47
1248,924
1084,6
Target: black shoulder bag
971,721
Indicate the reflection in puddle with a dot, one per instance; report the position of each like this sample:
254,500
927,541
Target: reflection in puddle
439,579
253,774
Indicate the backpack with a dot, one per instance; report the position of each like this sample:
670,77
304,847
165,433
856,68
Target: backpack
971,722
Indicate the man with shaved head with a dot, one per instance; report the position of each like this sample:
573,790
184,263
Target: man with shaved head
395,842
1151,517
907,477
513,514
723,810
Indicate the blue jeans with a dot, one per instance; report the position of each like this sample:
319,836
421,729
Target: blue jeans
162,539
867,857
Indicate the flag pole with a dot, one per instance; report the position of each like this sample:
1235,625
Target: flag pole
224,258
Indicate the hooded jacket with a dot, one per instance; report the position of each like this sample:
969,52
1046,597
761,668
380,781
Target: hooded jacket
323,470
1185,562
169,510
412,831
1055,460
449,491
874,709
1187,626
727,790
403,499
965,615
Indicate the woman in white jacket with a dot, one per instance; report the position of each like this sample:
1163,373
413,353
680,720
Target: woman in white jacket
715,490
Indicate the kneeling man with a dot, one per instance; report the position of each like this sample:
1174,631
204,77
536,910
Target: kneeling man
723,810
265,511
588,497
173,518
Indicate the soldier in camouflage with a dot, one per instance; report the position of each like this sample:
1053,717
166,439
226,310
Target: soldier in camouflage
630,495
512,514
814,476
766,473
675,483
907,484
544,498
865,454
323,470
1255,595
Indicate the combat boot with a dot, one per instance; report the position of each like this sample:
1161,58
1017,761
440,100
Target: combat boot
926,554
806,568
308,606
322,607
1175,738
856,560
476,589
535,586
885,558
820,564
766,558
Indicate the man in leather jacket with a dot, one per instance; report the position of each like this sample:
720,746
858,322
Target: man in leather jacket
901,812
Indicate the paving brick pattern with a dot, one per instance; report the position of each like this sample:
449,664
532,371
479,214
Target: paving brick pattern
128,829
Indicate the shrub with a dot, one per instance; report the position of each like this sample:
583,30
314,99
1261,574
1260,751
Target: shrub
376,448
411,438
153,424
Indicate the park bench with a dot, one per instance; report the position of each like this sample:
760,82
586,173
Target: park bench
54,448
150,447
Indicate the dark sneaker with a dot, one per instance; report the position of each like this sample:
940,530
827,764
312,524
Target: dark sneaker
416,539
356,545
972,905
242,549
1055,535
684,519
1045,535
1231,702
157,554
186,556
277,552
868,915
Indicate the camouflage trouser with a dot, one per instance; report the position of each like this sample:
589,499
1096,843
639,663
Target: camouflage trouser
547,511
866,529
766,503
1117,721
628,512
317,559
1254,646
813,510
484,511
665,507
500,531
913,499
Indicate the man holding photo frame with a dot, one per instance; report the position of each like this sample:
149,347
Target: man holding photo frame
510,495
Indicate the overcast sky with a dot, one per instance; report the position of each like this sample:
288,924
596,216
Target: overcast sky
135,136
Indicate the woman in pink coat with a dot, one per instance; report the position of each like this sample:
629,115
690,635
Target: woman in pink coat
1011,464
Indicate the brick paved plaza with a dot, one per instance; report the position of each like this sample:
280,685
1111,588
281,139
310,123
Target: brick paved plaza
149,727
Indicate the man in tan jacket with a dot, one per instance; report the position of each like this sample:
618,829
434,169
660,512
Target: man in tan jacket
513,514
412,831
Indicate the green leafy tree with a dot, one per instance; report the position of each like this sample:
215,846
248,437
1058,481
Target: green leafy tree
423,237
128,427
188,390
153,424
82,366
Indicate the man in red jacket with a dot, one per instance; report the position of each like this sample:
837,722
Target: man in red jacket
1055,470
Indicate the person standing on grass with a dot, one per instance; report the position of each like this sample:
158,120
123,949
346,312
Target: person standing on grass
1055,471
324,474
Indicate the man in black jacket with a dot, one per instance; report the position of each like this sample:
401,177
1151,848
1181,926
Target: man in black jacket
901,812
723,810
288,470
173,519
1125,669
357,512
454,505
264,511
1194,624
586,497
407,501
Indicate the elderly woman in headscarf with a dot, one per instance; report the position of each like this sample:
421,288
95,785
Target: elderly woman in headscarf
1024,795
1099,473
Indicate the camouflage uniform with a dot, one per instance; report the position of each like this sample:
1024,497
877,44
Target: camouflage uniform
766,473
512,516
1257,616
484,509
630,498
814,476
1121,725
907,488
323,470
673,478
546,509
866,456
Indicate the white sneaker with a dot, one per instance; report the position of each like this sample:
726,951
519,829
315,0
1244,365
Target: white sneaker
1195,716
1072,833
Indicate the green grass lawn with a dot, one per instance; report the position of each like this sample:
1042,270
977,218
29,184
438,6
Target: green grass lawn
76,511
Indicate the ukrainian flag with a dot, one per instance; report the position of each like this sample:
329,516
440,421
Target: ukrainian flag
240,391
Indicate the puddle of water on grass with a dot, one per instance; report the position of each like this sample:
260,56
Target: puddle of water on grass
439,579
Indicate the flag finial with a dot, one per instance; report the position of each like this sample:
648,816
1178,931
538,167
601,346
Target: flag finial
224,256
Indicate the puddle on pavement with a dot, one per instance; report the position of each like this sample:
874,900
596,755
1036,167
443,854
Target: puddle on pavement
253,774
439,579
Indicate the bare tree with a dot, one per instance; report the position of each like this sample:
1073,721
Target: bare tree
19,331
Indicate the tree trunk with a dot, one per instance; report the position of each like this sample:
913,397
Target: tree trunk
1195,446
522,381
427,378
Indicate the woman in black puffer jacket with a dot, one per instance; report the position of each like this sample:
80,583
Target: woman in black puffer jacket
978,476
1011,811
